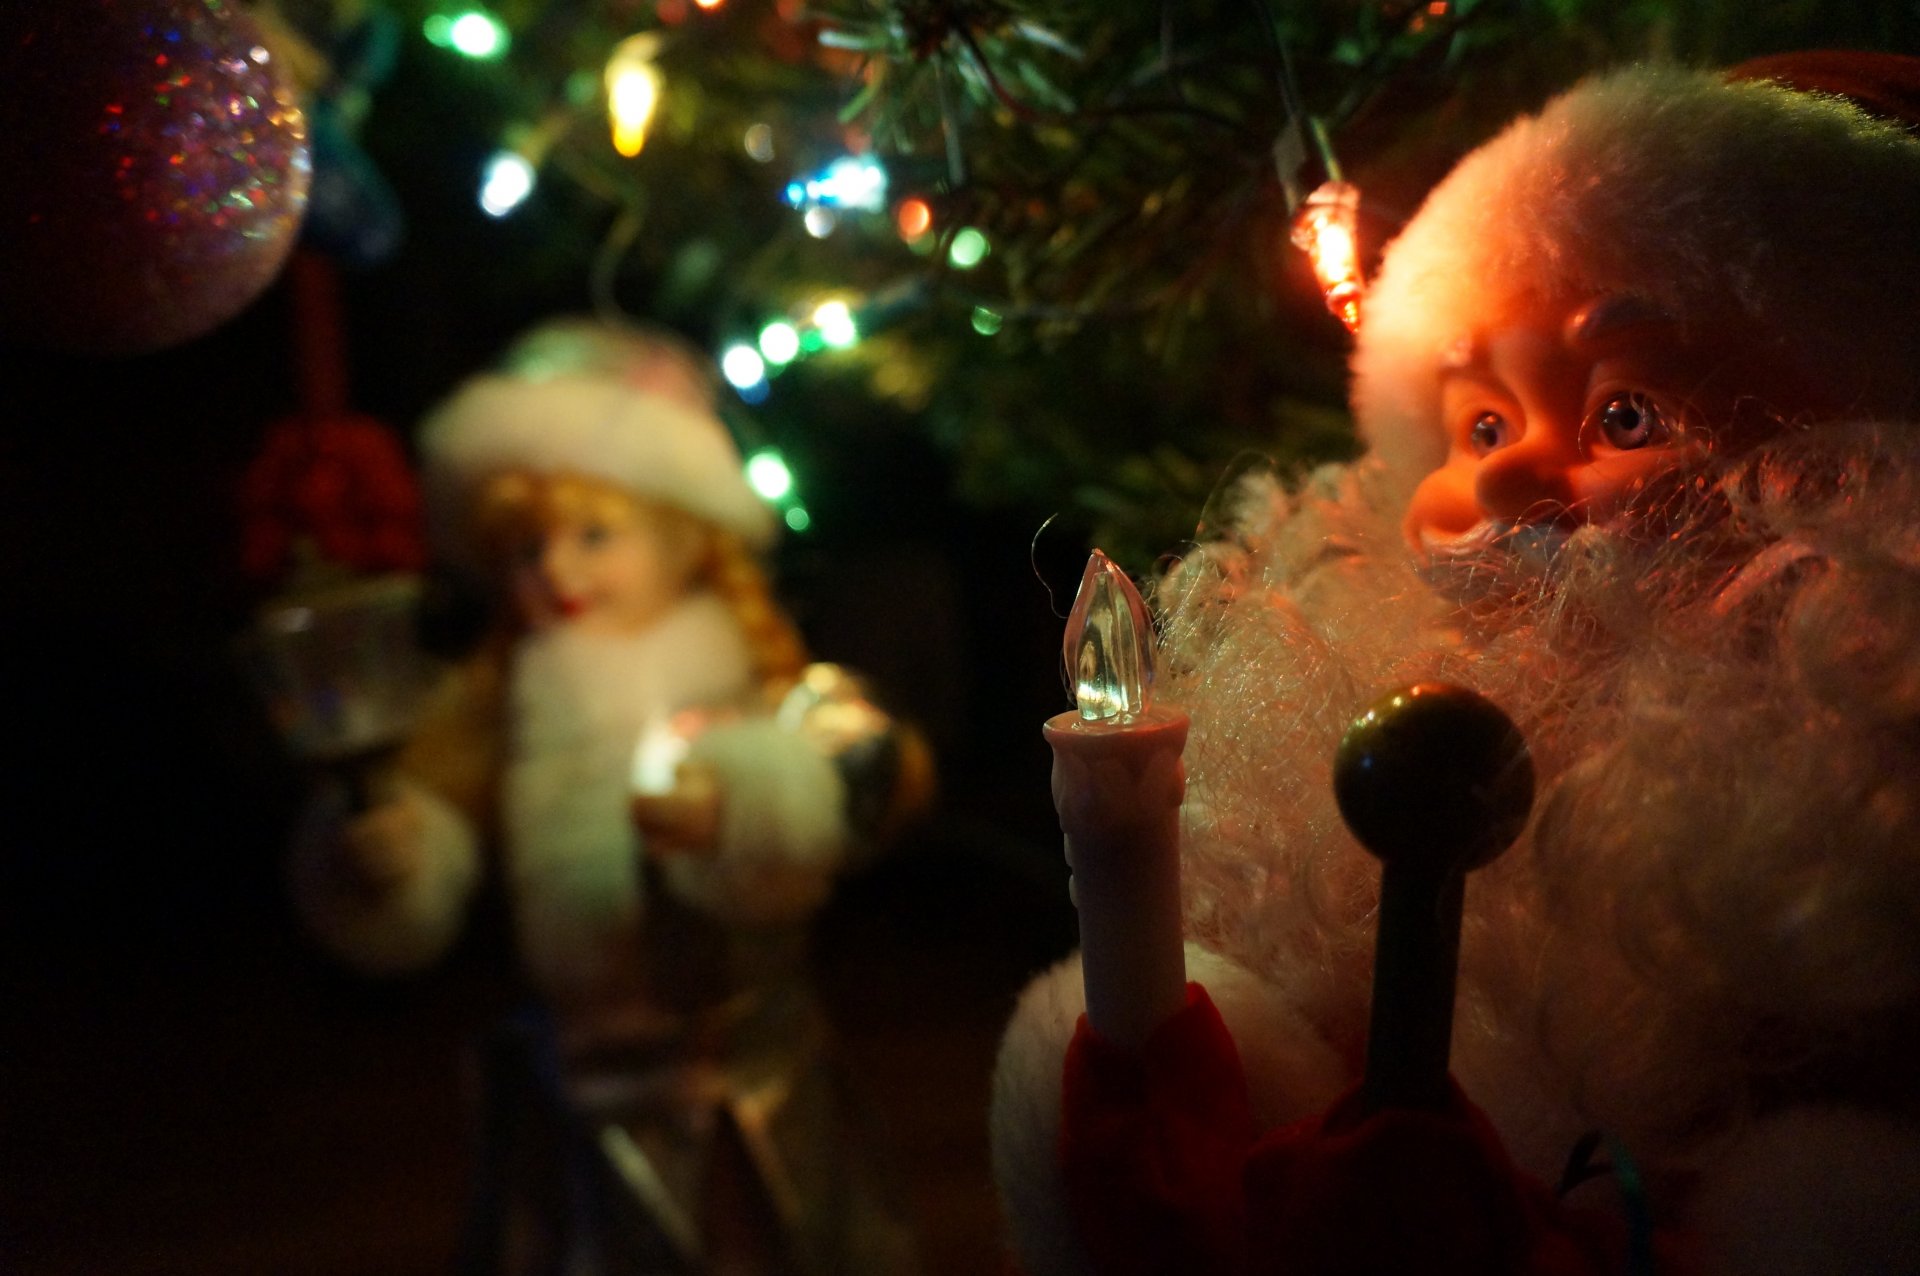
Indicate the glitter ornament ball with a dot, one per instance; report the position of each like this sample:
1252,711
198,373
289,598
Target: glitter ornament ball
157,171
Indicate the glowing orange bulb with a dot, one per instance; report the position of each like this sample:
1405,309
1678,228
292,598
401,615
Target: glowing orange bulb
914,217
1327,230
1333,253
709,4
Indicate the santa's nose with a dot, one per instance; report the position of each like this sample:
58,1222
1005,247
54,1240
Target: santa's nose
1526,482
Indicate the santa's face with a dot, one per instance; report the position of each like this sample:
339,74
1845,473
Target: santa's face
603,562
1555,419
1566,413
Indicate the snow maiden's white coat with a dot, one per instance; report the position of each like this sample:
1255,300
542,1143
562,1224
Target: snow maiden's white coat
578,704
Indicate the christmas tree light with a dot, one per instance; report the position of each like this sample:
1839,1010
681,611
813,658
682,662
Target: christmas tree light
834,320
1327,230
779,343
508,181
914,217
633,91
742,366
767,474
473,33
969,249
849,182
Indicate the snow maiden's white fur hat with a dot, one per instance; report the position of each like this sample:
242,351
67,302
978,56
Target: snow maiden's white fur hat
1712,196
627,406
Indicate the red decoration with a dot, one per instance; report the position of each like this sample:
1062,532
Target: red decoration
328,484
345,486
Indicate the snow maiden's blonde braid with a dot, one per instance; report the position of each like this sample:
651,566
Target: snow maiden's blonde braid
730,570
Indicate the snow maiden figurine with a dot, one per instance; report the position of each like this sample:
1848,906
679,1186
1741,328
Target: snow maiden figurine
662,786
1640,383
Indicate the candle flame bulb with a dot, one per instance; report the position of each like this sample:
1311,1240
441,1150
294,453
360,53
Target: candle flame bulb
1107,654
1327,229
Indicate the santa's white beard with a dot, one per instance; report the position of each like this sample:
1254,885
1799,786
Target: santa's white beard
1716,910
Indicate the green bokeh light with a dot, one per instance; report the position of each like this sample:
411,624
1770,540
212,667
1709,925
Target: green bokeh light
767,474
837,326
477,34
779,343
969,249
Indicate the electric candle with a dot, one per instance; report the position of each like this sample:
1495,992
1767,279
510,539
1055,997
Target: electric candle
657,757
1118,782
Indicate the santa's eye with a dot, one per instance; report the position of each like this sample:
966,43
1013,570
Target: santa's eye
1631,420
1489,430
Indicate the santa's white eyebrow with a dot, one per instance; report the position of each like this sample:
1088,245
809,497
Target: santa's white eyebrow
1603,318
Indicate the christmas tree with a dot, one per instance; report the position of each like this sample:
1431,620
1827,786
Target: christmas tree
1049,240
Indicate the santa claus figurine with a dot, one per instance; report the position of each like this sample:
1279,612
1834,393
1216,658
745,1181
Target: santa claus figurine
660,789
1640,383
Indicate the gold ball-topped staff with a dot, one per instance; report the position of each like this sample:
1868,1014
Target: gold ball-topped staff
1435,781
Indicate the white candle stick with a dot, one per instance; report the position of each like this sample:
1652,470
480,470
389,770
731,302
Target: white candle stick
1117,785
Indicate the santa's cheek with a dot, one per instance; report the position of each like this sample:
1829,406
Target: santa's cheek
1606,486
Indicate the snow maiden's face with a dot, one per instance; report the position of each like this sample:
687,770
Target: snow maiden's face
1564,415
587,555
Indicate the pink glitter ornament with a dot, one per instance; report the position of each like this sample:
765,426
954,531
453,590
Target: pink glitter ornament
157,171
